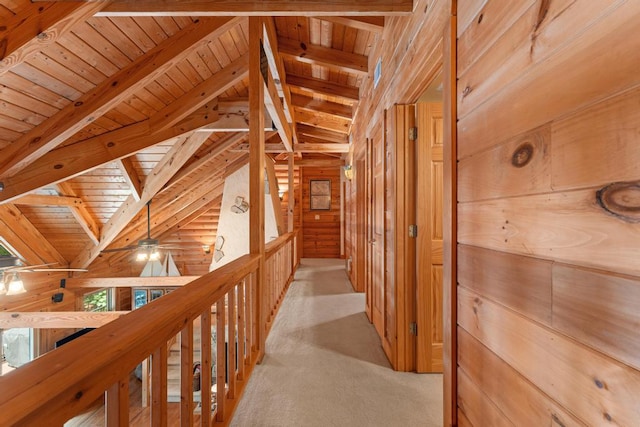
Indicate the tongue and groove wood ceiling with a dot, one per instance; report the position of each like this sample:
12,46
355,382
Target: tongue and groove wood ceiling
107,105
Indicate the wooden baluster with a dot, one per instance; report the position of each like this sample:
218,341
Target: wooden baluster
248,311
159,387
232,343
205,374
117,404
186,376
242,345
221,356
255,313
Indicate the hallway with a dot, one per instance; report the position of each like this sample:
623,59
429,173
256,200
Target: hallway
325,367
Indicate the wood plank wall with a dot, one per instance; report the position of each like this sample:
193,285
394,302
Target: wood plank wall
548,202
410,50
321,228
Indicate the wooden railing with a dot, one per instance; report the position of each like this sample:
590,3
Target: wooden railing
223,304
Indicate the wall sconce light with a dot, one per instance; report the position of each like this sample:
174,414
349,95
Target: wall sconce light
241,205
206,249
348,172
16,286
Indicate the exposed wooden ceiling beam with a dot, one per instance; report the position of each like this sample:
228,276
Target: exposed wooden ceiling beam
330,147
257,8
326,135
268,148
233,116
37,25
325,107
374,24
131,176
276,65
323,121
48,200
108,94
334,59
84,218
201,94
127,282
220,147
175,158
319,163
19,227
58,319
350,93
199,208
65,162
276,112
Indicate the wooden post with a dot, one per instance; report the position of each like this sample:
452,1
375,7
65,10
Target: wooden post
256,169
449,223
292,196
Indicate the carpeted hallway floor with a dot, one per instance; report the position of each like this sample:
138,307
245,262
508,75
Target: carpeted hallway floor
325,367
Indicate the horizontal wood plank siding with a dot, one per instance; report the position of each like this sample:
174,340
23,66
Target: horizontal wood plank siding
548,172
321,228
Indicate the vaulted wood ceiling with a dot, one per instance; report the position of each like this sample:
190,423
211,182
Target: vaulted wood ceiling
107,105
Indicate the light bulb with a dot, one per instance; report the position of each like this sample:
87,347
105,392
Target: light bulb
141,256
154,256
16,286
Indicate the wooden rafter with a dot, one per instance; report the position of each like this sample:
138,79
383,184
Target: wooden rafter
330,147
38,25
374,24
324,107
65,162
323,121
220,147
131,176
319,163
159,176
48,200
334,59
257,8
108,94
83,217
306,132
276,111
350,93
26,238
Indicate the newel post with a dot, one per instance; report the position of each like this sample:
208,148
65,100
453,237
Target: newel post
256,171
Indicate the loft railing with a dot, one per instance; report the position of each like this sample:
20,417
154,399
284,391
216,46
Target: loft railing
224,304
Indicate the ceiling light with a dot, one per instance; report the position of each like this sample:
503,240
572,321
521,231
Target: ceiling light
16,286
3,288
141,256
154,255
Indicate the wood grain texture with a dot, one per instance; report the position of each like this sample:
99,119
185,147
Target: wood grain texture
521,283
565,226
321,228
499,172
599,309
489,388
553,87
606,386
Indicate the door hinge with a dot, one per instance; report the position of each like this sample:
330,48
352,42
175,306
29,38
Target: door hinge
413,328
413,230
413,134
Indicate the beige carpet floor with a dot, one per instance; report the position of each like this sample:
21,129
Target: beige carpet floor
325,366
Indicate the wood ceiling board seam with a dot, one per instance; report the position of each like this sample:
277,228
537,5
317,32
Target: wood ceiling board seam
38,25
135,135
73,117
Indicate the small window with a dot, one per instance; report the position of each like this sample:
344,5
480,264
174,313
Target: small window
97,301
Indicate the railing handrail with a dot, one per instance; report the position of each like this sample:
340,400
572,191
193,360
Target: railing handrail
273,246
61,383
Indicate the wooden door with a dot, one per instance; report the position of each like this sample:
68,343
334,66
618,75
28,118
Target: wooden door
429,210
377,233
368,178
